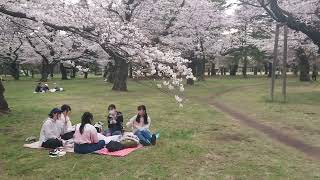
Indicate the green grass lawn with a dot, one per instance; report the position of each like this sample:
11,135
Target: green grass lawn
197,142
299,117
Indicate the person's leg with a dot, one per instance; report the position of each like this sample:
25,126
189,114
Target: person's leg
88,148
116,133
142,139
109,138
52,143
94,147
67,136
148,135
81,148
107,132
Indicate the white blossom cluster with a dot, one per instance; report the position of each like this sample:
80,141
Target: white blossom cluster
68,64
83,70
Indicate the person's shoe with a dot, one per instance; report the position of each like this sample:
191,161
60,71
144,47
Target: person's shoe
157,135
153,139
31,139
144,143
56,153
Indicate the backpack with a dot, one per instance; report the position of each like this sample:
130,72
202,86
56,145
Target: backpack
128,143
114,146
129,140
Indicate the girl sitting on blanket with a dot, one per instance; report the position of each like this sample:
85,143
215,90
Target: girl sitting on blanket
86,136
140,124
51,131
65,123
115,121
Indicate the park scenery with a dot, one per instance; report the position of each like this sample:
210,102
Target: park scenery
160,89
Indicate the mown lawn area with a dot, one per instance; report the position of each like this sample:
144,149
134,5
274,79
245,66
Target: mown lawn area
197,141
299,116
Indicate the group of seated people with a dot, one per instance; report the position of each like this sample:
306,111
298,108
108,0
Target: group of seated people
45,88
58,128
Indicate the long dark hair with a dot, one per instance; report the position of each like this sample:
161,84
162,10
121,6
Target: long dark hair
85,119
145,117
65,108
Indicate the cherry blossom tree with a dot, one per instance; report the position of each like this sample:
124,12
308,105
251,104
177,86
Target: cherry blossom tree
11,41
121,40
93,21
191,27
303,16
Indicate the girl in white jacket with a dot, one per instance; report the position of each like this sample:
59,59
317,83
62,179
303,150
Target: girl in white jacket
140,124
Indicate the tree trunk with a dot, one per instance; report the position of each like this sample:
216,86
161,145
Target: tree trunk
44,70
266,68
213,69
74,72
4,108
202,63
63,70
270,69
95,70
51,66
105,73
245,66
255,71
203,68
85,75
200,70
274,62
192,65
190,81
130,71
14,70
221,70
121,75
284,63
111,77
304,65
295,70
233,70
111,73
26,72
32,73
314,72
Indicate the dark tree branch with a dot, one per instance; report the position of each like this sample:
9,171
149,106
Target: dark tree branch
114,11
16,14
15,51
244,2
35,49
294,23
71,29
282,16
111,50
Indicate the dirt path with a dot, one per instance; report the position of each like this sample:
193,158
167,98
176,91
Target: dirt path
273,133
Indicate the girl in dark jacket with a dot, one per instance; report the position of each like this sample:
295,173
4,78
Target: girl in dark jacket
115,121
